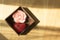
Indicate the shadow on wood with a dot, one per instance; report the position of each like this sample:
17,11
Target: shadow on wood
33,3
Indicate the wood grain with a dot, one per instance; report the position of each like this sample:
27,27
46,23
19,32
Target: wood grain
35,34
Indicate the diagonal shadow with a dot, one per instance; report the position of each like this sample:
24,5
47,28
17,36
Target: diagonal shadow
33,3
2,37
3,23
49,28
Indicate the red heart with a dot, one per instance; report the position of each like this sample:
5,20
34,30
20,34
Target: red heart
19,27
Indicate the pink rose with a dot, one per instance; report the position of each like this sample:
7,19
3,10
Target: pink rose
19,16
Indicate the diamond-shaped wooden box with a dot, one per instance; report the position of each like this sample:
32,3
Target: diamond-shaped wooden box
22,28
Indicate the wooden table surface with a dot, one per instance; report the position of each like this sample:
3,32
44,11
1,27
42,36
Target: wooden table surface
35,34
47,29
